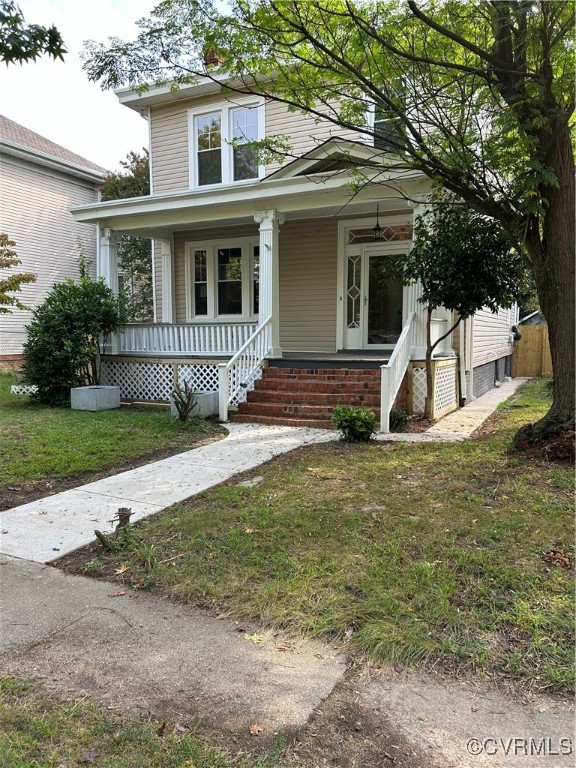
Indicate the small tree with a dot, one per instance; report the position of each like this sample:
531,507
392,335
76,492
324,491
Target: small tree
134,253
465,262
67,337
11,283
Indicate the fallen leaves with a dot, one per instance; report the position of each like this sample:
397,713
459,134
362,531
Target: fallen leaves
122,569
257,639
255,729
558,557
118,593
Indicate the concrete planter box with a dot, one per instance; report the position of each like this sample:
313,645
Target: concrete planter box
94,398
207,405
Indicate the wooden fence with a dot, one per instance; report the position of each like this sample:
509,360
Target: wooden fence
532,353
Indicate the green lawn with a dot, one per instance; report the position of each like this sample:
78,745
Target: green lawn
38,442
427,553
39,731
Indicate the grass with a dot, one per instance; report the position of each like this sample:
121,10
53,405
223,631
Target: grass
418,553
39,731
37,442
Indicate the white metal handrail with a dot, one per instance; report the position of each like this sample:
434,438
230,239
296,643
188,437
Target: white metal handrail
393,372
179,339
240,371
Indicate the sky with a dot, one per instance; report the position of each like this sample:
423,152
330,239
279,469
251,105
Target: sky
56,100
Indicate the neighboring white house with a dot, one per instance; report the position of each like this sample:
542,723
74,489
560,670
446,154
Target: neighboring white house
39,183
279,266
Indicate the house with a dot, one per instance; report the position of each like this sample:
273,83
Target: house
39,182
275,272
533,318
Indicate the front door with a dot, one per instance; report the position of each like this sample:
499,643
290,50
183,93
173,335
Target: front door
382,324
374,302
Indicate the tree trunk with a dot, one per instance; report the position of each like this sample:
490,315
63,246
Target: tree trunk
553,258
428,400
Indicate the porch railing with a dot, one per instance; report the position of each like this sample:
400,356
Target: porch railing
238,375
149,339
393,372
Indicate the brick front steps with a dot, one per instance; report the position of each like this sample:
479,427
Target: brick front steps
303,397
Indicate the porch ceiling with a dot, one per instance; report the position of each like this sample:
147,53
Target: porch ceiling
297,198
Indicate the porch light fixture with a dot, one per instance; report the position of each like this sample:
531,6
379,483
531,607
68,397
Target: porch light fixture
377,229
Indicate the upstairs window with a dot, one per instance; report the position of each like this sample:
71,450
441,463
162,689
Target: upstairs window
209,148
220,151
244,129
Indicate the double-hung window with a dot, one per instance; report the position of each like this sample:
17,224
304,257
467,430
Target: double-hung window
222,279
220,144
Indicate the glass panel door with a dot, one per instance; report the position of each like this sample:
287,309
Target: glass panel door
383,304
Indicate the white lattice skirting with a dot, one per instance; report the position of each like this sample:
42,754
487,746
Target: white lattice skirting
445,388
418,389
445,392
155,381
145,380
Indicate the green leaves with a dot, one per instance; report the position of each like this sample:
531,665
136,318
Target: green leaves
464,260
11,283
67,336
20,42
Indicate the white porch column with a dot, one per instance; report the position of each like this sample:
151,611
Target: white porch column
107,259
414,293
167,256
107,267
269,300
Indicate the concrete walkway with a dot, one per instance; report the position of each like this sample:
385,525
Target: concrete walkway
46,529
142,654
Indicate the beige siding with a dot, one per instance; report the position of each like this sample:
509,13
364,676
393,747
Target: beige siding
198,236
308,267
304,131
34,212
308,273
169,147
491,335
169,138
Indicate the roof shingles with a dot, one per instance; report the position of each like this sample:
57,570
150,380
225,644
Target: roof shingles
18,135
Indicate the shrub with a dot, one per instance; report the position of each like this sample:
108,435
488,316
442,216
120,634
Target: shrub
356,425
67,337
185,400
398,420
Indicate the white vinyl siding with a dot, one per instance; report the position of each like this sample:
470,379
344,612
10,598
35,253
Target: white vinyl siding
491,335
34,212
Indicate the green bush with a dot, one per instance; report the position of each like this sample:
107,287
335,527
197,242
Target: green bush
67,336
398,420
356,425
185,399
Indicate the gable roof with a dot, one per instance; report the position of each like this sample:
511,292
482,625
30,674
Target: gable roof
334,154
19,141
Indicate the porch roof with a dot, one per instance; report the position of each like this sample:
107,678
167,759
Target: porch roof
294,195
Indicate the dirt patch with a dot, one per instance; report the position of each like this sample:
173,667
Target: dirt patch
13,495
347,731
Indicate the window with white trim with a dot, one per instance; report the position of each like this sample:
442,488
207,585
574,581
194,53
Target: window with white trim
222,279
220,144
